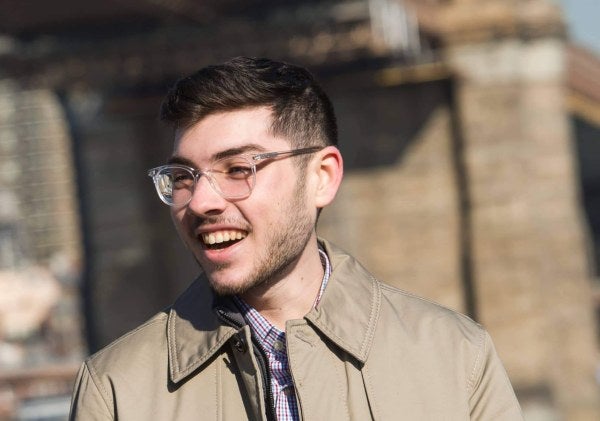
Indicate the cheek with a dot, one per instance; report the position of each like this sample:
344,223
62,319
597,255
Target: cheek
278,186
265,211
268,192
179,219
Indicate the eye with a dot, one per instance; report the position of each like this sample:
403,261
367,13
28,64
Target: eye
239,171
233,168
181,179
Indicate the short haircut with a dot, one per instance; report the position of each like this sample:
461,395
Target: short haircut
302,112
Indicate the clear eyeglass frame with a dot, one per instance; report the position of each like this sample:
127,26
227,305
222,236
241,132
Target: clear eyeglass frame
231,177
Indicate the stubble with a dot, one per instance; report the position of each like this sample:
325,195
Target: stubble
284,244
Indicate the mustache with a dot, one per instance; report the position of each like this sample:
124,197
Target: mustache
205,221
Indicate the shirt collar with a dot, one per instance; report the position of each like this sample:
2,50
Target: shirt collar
326,274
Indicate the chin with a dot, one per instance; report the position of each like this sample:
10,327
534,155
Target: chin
224,285
228,289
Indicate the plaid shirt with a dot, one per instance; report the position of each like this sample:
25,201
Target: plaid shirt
272,341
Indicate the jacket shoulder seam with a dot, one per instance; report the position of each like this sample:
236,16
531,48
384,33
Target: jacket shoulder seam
477,365
395,290
373,316
479,341
399,291
156,319
106,397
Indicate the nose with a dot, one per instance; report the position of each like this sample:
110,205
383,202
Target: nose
205,199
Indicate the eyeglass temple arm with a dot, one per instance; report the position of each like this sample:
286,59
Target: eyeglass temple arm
293,152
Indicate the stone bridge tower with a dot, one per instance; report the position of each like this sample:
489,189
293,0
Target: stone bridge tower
483,211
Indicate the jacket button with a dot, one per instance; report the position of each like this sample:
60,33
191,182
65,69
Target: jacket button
239,343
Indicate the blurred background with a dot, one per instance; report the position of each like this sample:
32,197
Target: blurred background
470,131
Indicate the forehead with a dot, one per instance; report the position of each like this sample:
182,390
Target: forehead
227,130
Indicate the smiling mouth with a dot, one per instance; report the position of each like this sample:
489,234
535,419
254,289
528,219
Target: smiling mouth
222,239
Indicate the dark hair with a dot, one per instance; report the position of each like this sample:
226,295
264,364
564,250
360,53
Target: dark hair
302,112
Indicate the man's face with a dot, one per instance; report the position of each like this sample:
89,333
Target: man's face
268,230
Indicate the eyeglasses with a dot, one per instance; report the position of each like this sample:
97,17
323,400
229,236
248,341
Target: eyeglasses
232,177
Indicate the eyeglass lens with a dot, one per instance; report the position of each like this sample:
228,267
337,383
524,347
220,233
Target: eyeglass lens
230,177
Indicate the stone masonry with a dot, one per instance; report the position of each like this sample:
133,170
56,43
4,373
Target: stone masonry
527,241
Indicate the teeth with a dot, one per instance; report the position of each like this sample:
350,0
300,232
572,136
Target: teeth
222,236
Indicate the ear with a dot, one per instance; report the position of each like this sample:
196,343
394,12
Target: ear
328,171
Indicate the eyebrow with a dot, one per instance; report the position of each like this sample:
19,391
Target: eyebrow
251,147
176,159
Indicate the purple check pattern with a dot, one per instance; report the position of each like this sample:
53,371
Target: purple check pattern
272,341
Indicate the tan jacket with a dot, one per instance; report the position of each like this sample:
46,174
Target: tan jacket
369,351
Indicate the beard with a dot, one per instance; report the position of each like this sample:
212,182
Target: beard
285,243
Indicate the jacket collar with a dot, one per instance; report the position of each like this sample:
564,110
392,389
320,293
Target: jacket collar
349,307
347,315
194,332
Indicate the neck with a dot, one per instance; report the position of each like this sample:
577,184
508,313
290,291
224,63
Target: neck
293,295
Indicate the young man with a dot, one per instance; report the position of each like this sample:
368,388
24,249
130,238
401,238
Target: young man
281,325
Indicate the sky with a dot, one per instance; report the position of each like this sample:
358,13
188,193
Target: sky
583,19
